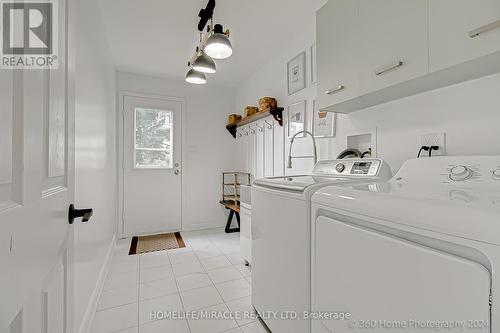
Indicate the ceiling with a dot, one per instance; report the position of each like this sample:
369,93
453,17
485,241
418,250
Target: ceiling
158,37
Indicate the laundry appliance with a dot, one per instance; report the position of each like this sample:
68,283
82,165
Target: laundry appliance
418,253
246,223
281,238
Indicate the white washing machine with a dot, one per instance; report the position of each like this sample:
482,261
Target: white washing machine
246,223
281,238
419,253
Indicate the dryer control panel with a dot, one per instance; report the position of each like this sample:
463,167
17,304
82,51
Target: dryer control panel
473,173
462,171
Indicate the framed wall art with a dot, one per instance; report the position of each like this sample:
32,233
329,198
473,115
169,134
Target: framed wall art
296,73
324,123
296,118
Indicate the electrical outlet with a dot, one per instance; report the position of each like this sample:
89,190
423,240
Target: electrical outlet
434,139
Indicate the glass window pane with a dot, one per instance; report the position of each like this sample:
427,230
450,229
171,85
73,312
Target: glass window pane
153,138
152,158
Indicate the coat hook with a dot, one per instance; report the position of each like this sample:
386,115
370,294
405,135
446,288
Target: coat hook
251,130
238,133
269,125
244,130
261,128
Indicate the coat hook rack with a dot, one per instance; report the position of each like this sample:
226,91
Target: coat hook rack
276,113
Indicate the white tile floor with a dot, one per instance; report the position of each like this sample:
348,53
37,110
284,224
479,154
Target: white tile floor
207,275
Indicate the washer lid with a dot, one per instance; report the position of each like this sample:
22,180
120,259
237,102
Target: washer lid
294,183
457,211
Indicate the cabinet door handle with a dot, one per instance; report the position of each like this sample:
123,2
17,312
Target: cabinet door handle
485,28
335,90
390,68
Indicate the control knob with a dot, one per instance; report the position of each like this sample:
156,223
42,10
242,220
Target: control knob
460,173
340,167
496,174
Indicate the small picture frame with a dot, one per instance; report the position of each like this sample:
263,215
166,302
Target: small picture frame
296,73
296,118
324,123
314,78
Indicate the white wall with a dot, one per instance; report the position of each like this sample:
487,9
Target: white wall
468,113
95,183
208,148
271,80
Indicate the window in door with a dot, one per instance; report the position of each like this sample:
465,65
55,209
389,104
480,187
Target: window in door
153,140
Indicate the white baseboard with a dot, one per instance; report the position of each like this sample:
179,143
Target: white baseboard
203,225
88,317
190,227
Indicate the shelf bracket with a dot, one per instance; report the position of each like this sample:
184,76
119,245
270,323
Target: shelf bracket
277,114
232,129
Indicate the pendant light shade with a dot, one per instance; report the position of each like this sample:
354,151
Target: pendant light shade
218,46
204,64
195,77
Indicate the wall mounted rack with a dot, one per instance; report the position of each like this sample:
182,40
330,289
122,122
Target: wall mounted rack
277,114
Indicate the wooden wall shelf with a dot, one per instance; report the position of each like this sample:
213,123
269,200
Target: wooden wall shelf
277,114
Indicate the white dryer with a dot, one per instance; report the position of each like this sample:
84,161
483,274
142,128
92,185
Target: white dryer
419,253
281,238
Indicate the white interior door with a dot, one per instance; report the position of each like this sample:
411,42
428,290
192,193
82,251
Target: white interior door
36,188
384,281
152,183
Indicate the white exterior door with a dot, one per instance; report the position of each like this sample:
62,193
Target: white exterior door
152,182
36,188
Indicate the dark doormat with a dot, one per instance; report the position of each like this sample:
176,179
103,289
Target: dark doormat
152,243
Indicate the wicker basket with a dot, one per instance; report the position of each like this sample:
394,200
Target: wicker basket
233,118
266,103
250,110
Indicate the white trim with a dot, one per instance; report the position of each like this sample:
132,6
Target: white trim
205,225
154,232
89,315
120,136
70,174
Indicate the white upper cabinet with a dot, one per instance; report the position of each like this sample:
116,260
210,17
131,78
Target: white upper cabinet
371,52
337,49
393,43
462,30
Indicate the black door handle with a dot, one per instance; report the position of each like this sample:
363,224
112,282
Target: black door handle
73,213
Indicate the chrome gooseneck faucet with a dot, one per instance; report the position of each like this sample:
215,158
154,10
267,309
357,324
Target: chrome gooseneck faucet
315,156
